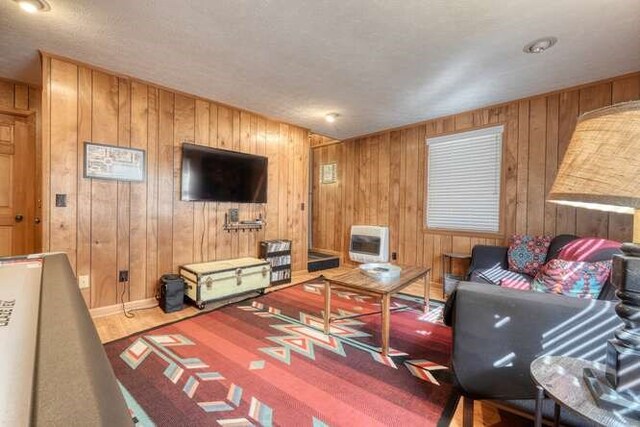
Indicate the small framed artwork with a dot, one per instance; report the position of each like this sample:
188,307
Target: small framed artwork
103,161
328,173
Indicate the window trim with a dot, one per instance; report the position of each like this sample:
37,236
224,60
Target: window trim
478,131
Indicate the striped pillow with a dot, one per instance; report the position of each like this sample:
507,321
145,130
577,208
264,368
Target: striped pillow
497,275
589,249
520,284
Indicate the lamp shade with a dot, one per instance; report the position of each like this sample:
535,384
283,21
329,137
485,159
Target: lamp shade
601,168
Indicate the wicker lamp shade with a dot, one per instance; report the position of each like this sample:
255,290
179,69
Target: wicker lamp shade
601,168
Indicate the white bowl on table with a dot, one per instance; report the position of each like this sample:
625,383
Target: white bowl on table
380,270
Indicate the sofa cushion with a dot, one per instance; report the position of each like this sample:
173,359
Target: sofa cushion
572,278
496,275
527,253
590,249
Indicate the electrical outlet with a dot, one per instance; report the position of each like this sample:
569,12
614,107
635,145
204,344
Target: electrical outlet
83,281
61,200
394,256
123,276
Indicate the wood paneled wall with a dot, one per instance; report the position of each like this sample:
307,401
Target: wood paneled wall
110,226
382,177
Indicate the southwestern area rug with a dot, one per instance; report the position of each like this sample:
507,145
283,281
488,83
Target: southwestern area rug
267,362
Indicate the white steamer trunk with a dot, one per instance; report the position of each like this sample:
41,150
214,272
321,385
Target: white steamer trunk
209,281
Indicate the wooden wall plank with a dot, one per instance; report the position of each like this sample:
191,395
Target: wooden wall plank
261,150
138,221
201,209
64,139
104,209
412,228
83,245
395,179
153,104
213,226
536,166
165,182
273,153
551,163
523,168
124,190
184,131
510,168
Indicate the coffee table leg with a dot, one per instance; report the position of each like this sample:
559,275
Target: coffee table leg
385,324
538,411
427,283
327,306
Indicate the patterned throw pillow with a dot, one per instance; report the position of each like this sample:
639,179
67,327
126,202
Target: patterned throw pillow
527,253
572,278
589,249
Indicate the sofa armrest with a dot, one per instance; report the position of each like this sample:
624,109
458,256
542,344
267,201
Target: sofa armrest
484,256
498,332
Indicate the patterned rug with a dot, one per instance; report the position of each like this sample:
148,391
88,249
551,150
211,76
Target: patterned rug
266,362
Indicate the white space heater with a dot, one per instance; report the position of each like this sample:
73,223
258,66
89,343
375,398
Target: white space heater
369,243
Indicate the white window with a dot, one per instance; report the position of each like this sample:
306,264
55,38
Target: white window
464,181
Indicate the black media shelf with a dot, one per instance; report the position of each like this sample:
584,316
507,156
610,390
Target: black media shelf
281,282
278,254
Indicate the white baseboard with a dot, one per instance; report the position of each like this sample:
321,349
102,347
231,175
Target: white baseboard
117,308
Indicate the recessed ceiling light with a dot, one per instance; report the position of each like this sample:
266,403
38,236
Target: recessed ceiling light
331,117
33,6
540,45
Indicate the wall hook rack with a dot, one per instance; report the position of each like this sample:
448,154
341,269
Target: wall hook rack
251,225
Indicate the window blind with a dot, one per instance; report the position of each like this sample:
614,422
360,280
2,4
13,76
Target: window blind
464,181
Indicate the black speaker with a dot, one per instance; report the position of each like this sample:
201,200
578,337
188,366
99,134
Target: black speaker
171,293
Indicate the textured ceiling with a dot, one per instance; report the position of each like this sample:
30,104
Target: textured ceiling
378,63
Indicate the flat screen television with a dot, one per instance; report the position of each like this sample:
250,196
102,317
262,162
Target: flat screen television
212,174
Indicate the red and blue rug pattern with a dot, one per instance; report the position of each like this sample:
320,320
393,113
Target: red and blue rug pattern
267,362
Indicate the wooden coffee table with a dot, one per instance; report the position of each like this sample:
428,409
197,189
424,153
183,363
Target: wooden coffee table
361,283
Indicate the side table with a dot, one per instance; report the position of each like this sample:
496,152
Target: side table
561,379
447,263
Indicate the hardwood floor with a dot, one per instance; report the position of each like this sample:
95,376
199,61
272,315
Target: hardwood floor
118,326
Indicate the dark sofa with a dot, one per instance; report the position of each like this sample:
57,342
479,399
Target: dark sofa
498,332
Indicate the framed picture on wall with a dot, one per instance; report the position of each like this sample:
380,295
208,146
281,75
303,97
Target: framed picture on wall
328,173
103,161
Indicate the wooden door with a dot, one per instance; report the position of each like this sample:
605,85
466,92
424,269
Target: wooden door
17,186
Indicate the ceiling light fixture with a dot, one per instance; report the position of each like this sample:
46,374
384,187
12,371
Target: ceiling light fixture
33,6
540,45
331,117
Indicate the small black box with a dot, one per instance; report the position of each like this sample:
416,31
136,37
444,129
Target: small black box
171,293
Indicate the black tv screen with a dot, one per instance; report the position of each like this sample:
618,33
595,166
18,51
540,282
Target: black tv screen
213,174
